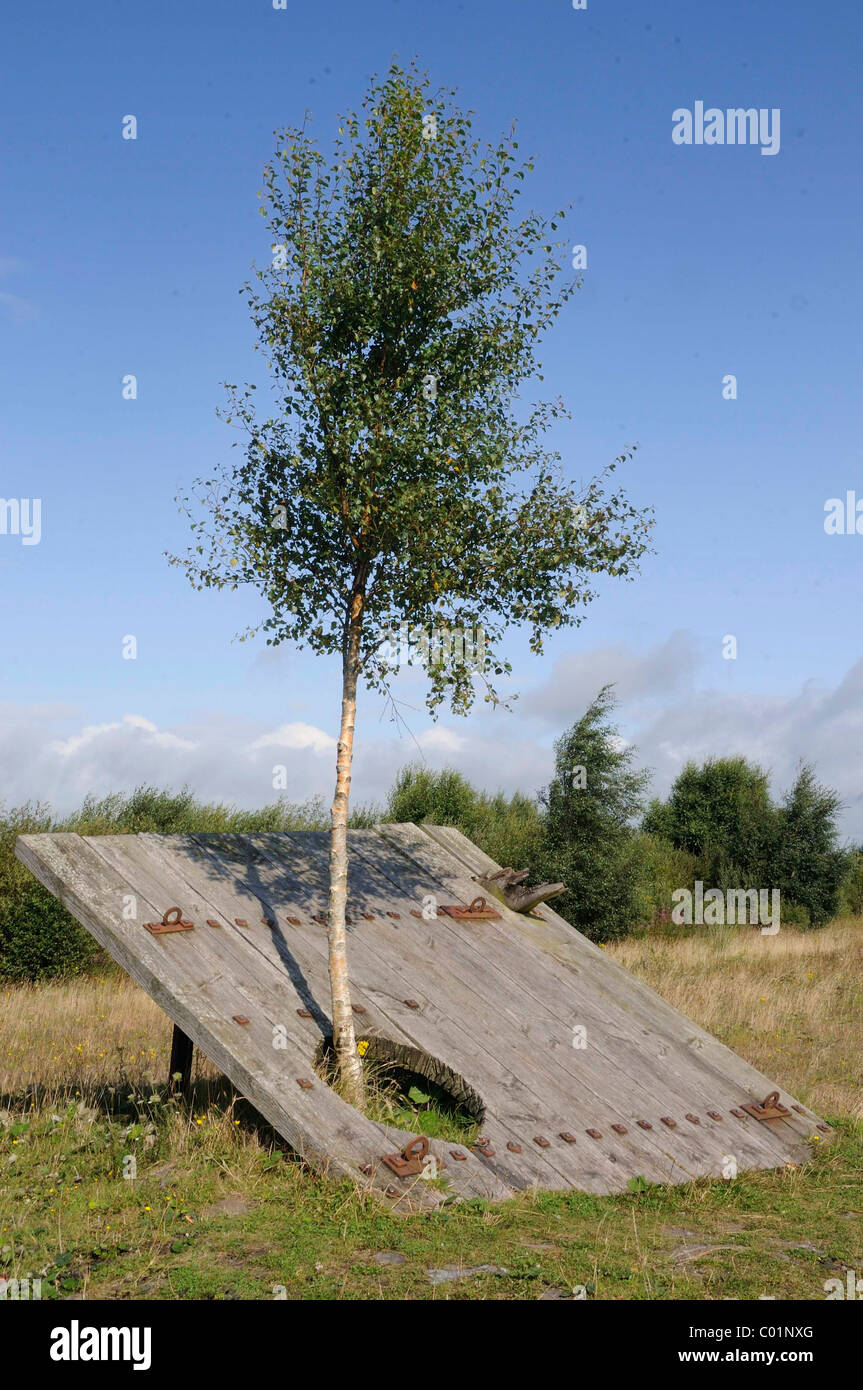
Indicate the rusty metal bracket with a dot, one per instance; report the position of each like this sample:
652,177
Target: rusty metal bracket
458,1156
409,1163
514,1148
620,1129
771,1108
644,1124
543,1142
479,911
411,1003
693,1119
667,1120
567,1137
169,923
594,1133
211,922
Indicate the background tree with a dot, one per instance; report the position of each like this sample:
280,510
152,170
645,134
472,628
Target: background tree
808,866
589,842
393,480
720,812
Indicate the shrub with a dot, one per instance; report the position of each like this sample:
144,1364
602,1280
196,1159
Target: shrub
851,902
662,869
509,829
38,937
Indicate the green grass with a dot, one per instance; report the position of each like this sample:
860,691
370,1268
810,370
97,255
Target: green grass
217,1211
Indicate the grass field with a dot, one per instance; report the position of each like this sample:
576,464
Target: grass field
218,1211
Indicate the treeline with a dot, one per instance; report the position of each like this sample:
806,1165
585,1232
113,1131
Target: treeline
621,856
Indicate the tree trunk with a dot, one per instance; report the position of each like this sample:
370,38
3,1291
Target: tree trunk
344,1039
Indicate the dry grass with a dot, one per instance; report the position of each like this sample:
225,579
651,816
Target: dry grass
86,1033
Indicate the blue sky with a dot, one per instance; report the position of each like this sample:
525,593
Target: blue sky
122,256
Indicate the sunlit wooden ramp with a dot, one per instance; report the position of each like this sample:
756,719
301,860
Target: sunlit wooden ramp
581,1075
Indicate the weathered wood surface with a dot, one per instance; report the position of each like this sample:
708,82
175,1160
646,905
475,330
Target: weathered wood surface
493,1009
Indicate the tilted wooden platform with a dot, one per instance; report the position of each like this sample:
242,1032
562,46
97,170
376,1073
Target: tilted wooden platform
491,1009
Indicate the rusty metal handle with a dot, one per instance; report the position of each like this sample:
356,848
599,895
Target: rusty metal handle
417,1148
478,905
168,920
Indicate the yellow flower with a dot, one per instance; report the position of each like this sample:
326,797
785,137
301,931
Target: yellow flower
363,1047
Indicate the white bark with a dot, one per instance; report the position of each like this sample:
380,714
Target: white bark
344,1038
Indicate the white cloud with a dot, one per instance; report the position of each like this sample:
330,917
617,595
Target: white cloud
440,739
296,735
93,733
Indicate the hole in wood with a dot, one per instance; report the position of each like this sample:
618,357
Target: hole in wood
411,1089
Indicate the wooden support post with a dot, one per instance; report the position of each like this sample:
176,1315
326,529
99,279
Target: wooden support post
182,1049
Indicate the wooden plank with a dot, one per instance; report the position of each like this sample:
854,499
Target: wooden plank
523,1098
189,869
389,978
623,1084
319,1126
703,1088
609,979
496,1002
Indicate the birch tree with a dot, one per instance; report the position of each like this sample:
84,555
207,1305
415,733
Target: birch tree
395,475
